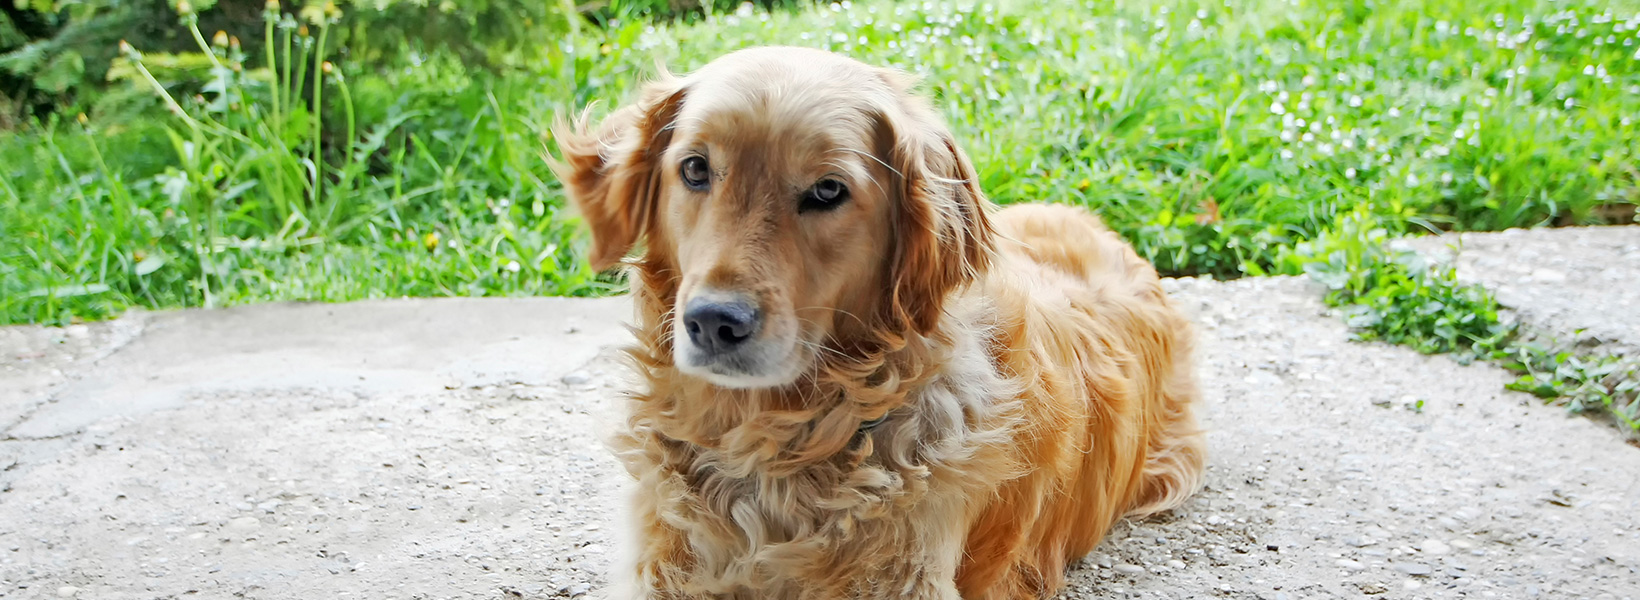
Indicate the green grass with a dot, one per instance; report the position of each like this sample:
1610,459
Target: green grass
1216,137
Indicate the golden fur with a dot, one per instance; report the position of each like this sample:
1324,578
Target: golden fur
1032,382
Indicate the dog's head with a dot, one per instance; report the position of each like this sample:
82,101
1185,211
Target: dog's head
798,202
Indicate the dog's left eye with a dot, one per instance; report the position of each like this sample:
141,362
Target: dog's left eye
694,173
826,195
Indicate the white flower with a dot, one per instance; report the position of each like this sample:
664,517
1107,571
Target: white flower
1308,137
1349,173
513,266
1446,178
1394,112
1412,180
1277,108
1309,80
1286,154
1355,102
1286,136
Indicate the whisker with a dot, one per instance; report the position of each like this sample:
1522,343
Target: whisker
857,319
818,347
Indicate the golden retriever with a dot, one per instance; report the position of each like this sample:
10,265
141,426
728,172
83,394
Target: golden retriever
860,379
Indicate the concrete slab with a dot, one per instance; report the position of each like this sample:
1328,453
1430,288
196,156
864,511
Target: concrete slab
375,347
464,465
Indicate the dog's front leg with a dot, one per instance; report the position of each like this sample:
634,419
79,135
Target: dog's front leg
653,566
653,557
929,570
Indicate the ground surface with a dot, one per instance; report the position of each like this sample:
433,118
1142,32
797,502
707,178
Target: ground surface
451,449
1577,284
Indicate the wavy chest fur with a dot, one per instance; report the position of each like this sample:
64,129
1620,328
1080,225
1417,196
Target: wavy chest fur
746,494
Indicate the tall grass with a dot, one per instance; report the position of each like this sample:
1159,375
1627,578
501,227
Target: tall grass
259,196
1215,136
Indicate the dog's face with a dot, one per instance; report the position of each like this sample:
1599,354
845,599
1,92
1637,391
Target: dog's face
797,198
778,220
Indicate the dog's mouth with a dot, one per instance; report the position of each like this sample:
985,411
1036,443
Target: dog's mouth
762,363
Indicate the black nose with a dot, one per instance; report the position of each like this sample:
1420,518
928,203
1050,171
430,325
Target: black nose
720,326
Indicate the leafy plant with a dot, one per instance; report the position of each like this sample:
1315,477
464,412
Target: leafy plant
1599,383
1395,296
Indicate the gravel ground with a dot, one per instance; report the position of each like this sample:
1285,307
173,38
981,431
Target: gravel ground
1579,284
452,449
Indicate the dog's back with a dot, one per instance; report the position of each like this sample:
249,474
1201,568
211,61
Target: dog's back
1108,409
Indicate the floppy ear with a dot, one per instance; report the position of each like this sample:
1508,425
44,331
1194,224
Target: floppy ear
611,172
943,236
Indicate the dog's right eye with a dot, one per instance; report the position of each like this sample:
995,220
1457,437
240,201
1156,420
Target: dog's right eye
695,173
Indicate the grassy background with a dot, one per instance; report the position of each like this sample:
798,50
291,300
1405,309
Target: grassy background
1217,137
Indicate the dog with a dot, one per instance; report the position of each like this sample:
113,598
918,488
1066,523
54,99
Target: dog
859,378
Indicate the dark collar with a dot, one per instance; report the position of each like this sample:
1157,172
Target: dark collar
867,426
